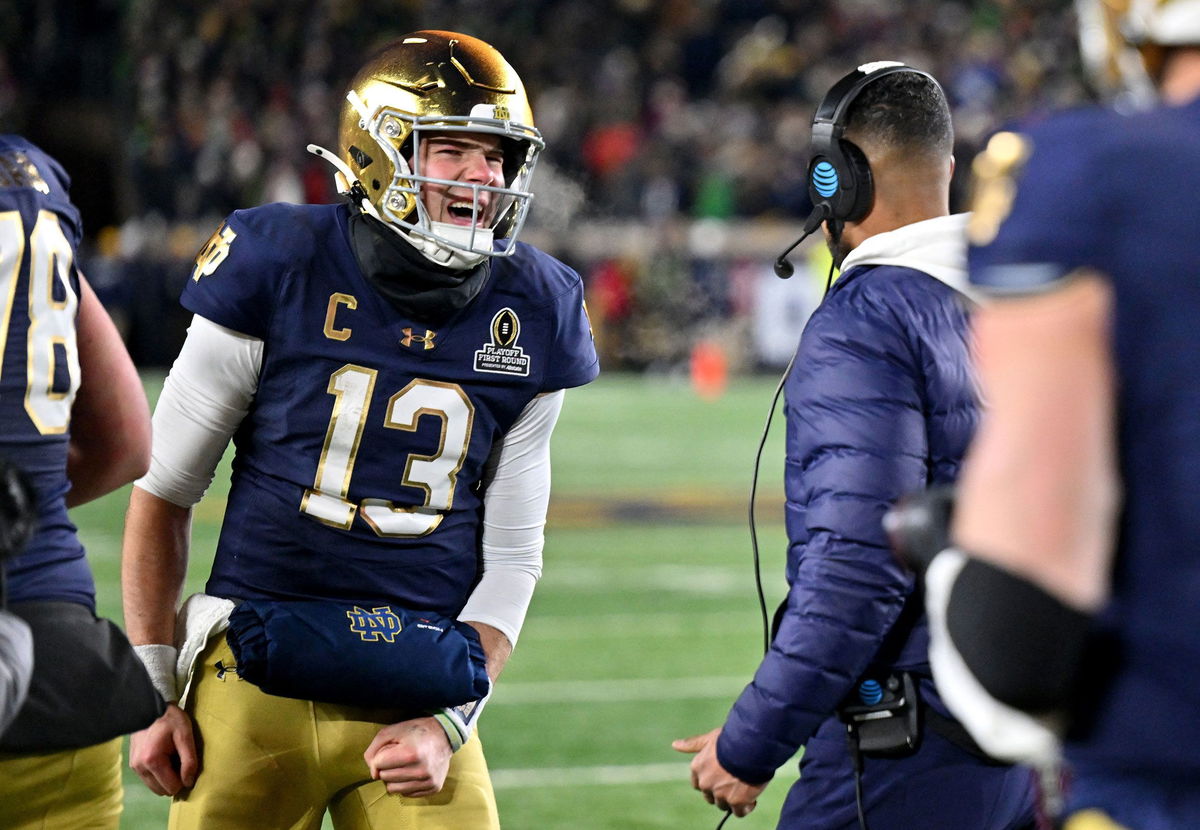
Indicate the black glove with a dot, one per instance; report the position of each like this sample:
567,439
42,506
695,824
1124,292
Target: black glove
919,526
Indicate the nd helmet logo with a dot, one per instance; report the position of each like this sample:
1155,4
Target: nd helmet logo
214,252
375,624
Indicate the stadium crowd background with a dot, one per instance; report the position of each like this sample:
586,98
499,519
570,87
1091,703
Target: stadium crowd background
677,133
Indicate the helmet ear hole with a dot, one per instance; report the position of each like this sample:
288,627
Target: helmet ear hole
360,158
516,153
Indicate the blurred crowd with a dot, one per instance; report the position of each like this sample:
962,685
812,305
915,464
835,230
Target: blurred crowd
663,118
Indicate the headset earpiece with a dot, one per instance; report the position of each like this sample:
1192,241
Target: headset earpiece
861,197
839,176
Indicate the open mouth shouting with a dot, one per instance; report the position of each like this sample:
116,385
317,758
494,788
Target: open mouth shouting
462,212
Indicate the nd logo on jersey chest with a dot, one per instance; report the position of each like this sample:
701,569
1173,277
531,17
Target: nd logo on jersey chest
499,355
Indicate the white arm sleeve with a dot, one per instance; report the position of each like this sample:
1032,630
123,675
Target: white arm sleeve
517,494
205,396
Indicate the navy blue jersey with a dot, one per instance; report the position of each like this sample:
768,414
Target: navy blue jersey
357,469
1117,194
39,301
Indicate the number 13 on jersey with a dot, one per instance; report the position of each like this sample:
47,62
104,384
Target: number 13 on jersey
435,474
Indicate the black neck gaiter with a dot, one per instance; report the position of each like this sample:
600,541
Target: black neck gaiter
417,288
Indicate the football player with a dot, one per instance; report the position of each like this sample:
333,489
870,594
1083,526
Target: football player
1071,602
390,370
74,419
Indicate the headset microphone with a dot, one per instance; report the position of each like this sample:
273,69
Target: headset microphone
783,268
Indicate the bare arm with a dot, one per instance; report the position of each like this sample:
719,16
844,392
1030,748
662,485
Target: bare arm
154,559
1039,490
496,646
153,565
110,418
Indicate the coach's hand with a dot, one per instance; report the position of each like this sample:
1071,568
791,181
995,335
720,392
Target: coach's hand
718,785
164,753
411,757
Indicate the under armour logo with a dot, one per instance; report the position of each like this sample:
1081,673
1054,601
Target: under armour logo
409,338
374,624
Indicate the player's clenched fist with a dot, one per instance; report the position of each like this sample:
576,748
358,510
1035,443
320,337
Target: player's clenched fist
411,757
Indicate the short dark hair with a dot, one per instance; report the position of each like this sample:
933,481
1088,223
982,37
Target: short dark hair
903,110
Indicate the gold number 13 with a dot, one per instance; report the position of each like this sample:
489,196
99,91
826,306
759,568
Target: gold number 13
352,387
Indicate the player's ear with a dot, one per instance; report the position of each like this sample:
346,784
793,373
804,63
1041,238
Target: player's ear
952,163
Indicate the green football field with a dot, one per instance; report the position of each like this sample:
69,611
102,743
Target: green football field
645,625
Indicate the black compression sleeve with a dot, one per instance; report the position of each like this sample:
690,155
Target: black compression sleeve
1022,644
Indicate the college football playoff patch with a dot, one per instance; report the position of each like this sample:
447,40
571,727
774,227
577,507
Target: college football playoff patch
503,356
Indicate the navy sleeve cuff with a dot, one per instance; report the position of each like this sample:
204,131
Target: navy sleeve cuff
749,774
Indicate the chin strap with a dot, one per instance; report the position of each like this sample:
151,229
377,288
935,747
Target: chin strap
432,249
342,180
441,254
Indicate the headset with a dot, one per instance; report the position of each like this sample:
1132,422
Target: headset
839,178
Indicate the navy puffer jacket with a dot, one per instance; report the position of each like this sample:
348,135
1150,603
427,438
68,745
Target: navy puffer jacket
881,402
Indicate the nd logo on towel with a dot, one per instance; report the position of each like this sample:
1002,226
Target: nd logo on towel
375,624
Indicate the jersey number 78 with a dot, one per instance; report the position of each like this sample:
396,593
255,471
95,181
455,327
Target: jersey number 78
50,341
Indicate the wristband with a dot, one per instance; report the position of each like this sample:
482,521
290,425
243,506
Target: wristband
458,722
159,660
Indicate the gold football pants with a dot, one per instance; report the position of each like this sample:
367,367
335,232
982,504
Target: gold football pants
274,763
1092,820
76,788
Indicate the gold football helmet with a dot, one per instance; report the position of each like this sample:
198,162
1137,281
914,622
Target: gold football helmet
436,82
1122,41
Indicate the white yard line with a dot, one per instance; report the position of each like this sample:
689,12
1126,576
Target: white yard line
619,691
702,580
655,624
512,779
